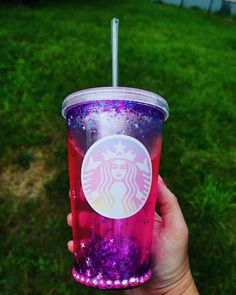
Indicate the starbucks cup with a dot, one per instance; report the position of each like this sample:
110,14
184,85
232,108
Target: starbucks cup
114,148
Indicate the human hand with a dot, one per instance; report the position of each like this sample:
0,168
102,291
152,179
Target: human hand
170,264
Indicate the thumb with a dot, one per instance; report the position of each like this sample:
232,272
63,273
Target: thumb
171,213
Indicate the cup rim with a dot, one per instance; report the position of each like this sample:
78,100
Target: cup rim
116,93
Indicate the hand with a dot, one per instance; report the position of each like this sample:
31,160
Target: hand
170,264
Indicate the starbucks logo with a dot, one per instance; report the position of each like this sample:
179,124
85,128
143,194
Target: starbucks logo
116,176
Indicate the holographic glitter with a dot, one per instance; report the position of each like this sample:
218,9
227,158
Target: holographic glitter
113,264
96,119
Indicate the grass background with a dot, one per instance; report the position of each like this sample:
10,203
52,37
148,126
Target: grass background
49,50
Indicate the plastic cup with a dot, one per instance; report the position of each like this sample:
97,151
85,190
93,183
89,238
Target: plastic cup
114,148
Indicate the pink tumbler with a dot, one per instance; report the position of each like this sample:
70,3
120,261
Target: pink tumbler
114,146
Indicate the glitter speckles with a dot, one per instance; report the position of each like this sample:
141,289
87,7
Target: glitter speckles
88,272
102,104
132,117
109,258
88,261
82,245
99,276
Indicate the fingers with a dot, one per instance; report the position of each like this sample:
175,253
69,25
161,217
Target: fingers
70,246
157,218
69,219
169,207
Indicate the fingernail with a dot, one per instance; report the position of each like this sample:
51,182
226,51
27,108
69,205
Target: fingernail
161,180
70,246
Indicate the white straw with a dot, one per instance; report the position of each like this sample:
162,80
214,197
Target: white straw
114,41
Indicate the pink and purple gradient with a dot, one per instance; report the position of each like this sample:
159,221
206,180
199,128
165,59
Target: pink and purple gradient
112,253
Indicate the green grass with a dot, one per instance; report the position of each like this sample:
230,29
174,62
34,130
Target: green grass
49,51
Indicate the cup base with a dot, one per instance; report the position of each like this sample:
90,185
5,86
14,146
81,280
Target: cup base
97,283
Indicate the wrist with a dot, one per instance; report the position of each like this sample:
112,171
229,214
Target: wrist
185,285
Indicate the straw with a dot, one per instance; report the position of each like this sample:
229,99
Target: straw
114,42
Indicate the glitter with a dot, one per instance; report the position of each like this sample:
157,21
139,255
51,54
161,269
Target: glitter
82,245
133,115
94,282
88,272
99,276
88,261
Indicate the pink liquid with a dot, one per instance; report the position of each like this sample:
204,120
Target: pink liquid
110,253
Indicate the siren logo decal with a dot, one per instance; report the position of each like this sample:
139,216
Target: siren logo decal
116,176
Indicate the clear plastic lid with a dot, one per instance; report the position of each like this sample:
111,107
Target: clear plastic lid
116,93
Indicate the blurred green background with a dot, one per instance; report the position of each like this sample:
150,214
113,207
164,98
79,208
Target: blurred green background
50,49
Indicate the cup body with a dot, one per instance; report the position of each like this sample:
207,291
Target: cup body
114,149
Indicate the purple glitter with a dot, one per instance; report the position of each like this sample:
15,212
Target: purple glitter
110,259
110,264
88,120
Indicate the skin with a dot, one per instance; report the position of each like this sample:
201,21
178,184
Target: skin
170,263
